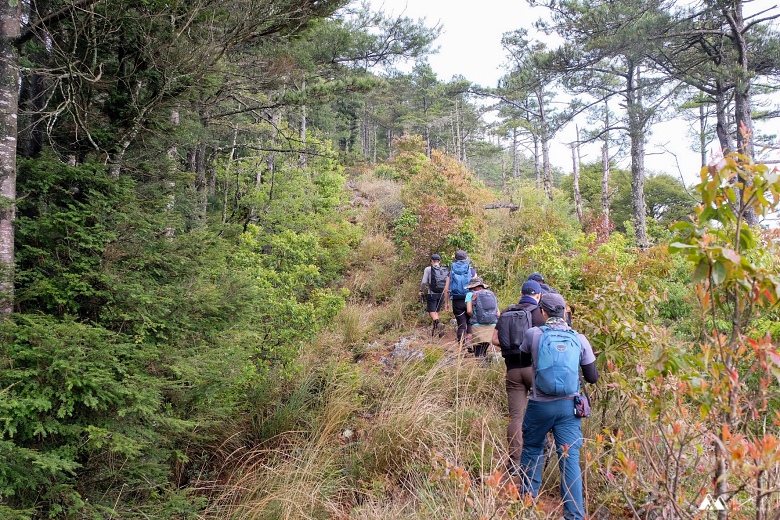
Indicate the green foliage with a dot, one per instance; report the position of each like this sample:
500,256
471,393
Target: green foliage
405,226
66,217
140,343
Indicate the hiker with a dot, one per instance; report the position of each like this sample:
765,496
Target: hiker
461,274
482,309
509,333
537,277
435,282
557,354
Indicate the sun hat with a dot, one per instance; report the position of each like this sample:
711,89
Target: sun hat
476,282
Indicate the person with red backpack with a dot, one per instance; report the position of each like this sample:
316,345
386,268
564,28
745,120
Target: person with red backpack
483,312
509,334
435,281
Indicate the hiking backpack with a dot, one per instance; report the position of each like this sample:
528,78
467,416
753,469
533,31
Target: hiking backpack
515,320
459,279
558,362
438,279
485,306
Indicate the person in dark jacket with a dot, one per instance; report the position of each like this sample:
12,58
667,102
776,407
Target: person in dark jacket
519,380
546,413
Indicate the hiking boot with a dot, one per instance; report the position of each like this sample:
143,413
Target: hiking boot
440,330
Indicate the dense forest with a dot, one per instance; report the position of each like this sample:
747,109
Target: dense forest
214,218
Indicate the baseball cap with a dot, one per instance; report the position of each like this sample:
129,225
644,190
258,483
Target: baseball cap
531,287
461,255
553,302
435,256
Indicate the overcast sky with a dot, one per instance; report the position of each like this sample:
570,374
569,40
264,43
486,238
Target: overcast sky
470,45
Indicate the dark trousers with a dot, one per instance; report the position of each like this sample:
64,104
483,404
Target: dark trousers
459,310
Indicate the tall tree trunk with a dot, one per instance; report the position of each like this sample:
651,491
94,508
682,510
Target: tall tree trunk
605,171
270,160
373,156
302,156
742,115
576,173
503,171
579,155
10,19
546,168
515,158
637,135
545,145
33,101
227,175
703,134
390,153
742,104
605,180
723,129
537,167
200,182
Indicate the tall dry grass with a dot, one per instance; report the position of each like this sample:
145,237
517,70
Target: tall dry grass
295,474
425,439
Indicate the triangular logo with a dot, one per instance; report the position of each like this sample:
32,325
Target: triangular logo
710,504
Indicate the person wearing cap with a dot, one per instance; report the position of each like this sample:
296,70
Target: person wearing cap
537,277
547,413
435,282
461,272
482,333
518,379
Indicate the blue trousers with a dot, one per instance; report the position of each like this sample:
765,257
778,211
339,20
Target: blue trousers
558,416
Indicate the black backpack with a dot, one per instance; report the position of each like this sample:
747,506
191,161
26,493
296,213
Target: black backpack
438,279
511,326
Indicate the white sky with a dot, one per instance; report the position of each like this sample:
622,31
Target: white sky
470,45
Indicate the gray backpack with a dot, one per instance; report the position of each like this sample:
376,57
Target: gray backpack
485,305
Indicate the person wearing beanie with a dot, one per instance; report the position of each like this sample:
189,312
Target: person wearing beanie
555,413
434,292
518,379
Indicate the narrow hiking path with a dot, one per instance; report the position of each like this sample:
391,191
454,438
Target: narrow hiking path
409,341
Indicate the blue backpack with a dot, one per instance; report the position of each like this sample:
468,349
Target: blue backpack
460,276
558,362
